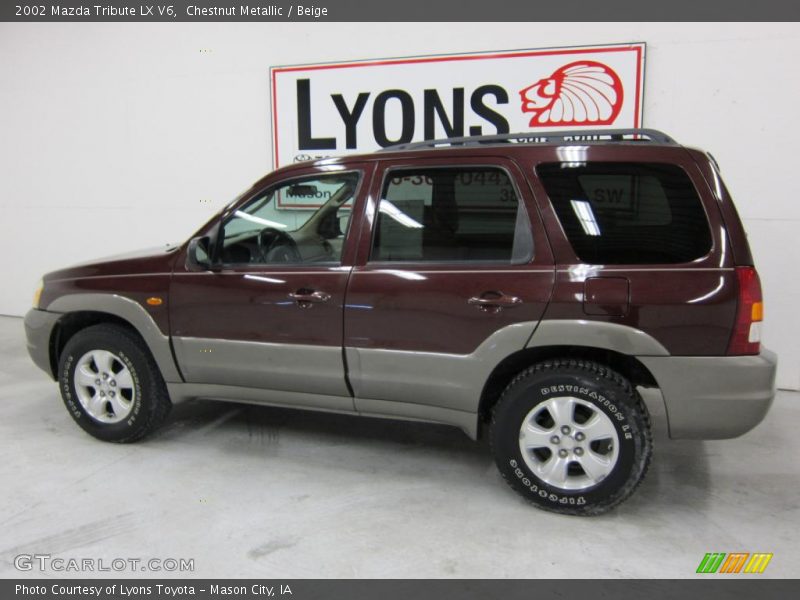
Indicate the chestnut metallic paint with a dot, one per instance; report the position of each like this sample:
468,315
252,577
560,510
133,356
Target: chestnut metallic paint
403,339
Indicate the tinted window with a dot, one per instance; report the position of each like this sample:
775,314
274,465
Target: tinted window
268,230
450,214
628,213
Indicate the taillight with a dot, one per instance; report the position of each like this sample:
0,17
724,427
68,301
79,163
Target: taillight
746,338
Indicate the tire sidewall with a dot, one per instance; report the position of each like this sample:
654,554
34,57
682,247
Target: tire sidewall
130,356
607,396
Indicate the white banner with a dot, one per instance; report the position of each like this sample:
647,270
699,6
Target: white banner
335,109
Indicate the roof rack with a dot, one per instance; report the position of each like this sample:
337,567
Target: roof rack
545,137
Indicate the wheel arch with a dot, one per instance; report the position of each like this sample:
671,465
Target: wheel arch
83,310
72,323
626,365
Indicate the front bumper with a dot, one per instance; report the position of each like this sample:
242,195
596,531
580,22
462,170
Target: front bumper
714,397
38,331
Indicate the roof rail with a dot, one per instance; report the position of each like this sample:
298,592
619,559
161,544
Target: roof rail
545,137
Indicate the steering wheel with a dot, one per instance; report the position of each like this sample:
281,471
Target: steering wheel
277,246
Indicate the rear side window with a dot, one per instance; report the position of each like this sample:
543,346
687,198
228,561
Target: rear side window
628,213
451,215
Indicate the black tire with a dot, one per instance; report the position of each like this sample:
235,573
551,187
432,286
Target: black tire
595,389
148,403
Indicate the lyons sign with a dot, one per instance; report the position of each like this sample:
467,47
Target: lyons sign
339,108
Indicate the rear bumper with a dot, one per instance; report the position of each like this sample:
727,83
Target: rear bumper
714,397
38,330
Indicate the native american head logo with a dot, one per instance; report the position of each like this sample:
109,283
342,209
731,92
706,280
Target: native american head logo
580,93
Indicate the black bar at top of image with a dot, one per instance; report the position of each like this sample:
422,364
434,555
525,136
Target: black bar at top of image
707,588
397,10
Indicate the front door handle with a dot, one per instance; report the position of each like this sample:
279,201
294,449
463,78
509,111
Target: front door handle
494,301
305,298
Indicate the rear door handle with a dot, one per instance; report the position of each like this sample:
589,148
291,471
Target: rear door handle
306,298
494,301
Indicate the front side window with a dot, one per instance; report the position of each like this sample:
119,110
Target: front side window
265,231
450,215
628,213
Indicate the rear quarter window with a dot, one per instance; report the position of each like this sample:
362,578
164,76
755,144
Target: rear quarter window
628,213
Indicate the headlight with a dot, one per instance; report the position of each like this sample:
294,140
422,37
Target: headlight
37,295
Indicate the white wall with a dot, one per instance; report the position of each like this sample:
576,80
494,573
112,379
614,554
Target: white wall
118,136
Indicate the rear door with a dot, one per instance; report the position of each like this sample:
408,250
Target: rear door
452,275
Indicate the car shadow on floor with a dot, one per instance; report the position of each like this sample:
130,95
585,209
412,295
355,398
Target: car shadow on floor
678,478
207,416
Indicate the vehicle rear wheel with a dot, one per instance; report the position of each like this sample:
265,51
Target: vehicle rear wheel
572,436
111,385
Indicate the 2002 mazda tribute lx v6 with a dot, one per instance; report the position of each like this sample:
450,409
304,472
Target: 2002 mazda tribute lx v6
523,288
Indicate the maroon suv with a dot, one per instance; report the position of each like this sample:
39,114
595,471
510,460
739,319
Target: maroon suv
522,287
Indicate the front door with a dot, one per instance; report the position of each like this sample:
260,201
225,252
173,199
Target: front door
453,274
269,314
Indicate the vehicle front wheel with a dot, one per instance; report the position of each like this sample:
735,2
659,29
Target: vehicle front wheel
111,385
572,436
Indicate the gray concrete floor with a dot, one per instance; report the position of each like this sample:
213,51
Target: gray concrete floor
264,492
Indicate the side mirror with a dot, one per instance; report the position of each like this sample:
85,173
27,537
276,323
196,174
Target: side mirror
197,254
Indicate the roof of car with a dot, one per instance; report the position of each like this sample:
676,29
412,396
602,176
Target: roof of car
652,136
637,136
